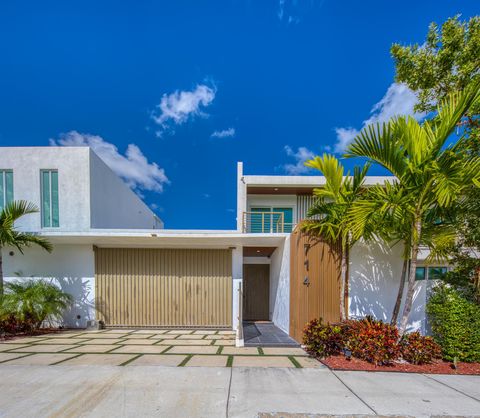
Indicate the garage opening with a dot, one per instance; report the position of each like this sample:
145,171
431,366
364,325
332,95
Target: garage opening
138,287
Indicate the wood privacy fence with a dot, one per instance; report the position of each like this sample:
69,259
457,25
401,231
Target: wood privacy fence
163,287
314,282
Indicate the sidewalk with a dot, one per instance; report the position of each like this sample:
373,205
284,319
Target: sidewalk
134,391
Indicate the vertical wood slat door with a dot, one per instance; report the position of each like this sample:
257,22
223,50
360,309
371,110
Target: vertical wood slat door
314,282
163,287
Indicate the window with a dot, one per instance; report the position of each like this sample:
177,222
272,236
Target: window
430,273
436,273
420,273
49,185
6,187
269,222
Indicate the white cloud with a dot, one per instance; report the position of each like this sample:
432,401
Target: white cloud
225,133
178,107
301,155
344,137
398,100
133,167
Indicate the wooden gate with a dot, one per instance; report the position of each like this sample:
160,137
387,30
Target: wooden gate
163,287
314,282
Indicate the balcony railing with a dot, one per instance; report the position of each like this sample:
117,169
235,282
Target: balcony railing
265,222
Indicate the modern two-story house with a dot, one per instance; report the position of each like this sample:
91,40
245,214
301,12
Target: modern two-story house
113,255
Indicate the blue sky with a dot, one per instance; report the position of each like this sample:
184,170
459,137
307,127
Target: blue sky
173,94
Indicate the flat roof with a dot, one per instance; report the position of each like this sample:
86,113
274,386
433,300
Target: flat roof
305,181
160,238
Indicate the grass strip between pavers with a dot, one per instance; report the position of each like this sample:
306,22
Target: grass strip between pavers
229,361
185,360
295,362
20,355
130,360
66,359
220,349
260,351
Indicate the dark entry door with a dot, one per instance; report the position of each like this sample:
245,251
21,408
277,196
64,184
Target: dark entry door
256,292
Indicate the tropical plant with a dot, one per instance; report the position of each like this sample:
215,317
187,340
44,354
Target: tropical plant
373,340
10,236
418,349
381,213
323,340
33,302
327,216
447,61
432,176
455,323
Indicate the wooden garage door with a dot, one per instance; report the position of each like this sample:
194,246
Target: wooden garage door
163,287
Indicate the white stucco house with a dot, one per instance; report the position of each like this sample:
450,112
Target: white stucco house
112,253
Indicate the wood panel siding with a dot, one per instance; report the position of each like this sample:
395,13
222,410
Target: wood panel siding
256,292
314,282
163,287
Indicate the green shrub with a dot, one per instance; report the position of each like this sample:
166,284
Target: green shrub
417,349
323,340
372,340
455,324
30,303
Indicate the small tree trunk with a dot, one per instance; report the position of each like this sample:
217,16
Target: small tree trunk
343,281
1,272
401,287
411,278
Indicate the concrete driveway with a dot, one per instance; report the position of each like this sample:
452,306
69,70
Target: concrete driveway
155,347
137,391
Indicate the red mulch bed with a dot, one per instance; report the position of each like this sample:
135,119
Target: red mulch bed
438,367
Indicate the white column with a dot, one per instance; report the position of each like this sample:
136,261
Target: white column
237,275
241,196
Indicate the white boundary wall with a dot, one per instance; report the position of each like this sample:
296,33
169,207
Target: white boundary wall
71,267
375,272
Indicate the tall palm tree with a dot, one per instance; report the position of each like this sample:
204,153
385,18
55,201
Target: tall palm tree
10,236
380,213
327,216
432,175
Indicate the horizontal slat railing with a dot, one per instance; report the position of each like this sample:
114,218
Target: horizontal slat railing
263,222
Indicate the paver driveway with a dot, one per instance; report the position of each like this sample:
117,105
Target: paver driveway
163,347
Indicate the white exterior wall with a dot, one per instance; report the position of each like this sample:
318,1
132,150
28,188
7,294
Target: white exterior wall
374,279
71,267
237,277
90,194
280,286
113,204
73,183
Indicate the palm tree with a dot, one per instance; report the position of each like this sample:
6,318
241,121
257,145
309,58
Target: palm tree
432,175
380,213
10,236
327,216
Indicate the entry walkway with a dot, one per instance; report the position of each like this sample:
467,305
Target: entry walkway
266,334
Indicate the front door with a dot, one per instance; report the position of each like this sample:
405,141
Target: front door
256,292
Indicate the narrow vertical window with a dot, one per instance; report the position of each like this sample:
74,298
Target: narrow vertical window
6,187
49,184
